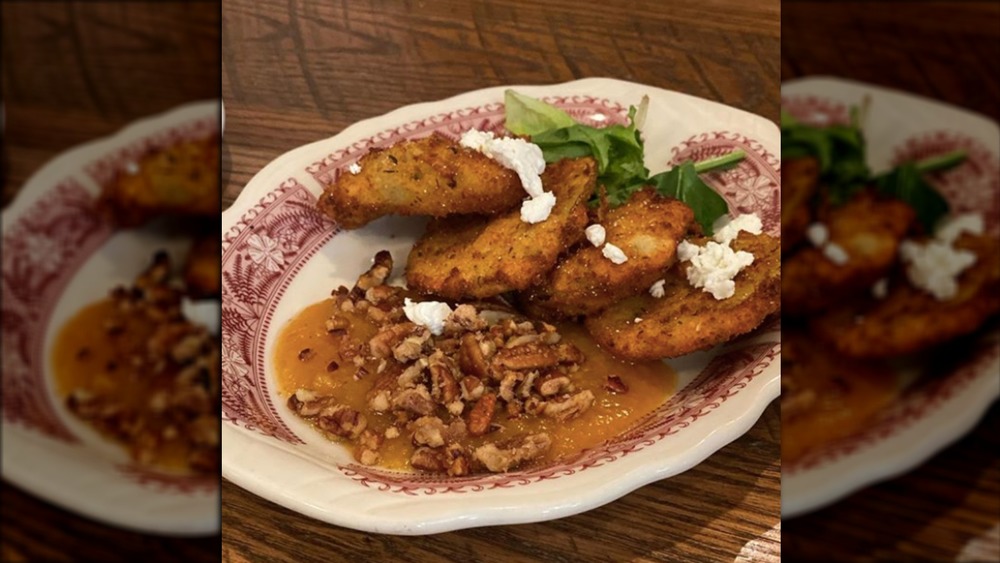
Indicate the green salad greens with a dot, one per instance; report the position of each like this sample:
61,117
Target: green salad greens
840,150
619,152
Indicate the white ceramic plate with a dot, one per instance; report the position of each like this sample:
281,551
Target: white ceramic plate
280,255
58,256
902,127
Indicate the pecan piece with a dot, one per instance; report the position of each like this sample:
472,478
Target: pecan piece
416,400
482,414
615,385
382,345
378,273
498,460
428,431
526,357
553,383
343,421
569,408
444,388
470,356
472,388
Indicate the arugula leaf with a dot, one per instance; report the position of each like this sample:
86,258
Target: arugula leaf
907,183
682,182
527,116
618,150
840,150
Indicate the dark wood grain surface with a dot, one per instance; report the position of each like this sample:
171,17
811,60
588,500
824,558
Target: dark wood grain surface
949,508
300,71
73,73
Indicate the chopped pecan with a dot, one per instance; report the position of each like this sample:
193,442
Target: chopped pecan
524,390
306,354
499,459
470,356
413,374
427,459
615,385
416,400
378,273
367,446
412,346
482,414
568,354
384,294
428,431
451,460
507,384
569,408
464,318
472,388
553,383
391,336
444,387
521,340
337,325
342,420
526,357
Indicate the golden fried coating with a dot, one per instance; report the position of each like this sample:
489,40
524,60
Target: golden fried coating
798,184
647,228
688,319
478,257
180,180
869,230
824,396
909,319
203,268
432,176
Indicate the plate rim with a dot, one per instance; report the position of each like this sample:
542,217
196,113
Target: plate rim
70,164
811,489
750,405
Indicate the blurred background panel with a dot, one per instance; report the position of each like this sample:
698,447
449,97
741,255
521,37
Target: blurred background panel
73,72
948,508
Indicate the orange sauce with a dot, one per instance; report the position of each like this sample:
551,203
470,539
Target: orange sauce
86,357
649,383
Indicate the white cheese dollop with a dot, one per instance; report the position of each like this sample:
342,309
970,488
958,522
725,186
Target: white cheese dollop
354,168
613,253
430,314
726,228
935,266
596,234
818,234
835,253
538,209
205,312
714,268
951,228
657,290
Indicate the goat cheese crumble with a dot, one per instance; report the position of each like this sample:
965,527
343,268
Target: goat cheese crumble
935,265
657,290
203,312
523,158
818,234
714,265
430,314
596,234
613,253
728,228
354,168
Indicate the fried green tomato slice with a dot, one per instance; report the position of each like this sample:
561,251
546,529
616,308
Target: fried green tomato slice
869,231
647,228
473,257
432,176
909,319
799,178
687,319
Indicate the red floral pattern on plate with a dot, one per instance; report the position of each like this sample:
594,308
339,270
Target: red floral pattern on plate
42,252
971,187
182,484
260,256
258,265
816,110
752,186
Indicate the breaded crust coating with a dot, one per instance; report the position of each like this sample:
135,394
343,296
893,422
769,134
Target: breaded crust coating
909,319
688,319
180,180
869,230
799,178
432,176
647,228
478,257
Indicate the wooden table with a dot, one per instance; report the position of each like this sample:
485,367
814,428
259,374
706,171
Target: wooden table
301,71
948,508
72,74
